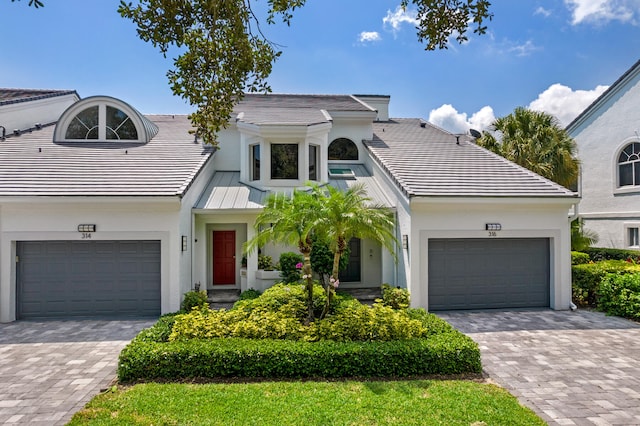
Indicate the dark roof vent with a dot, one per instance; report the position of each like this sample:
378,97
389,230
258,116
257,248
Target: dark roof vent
16,132
37,126
423,124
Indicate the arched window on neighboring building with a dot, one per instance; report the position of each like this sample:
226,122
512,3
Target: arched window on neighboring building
343,149
629,165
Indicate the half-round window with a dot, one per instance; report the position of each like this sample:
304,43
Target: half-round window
343,149
103,119
629,165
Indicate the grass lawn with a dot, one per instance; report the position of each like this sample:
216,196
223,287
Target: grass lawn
410,402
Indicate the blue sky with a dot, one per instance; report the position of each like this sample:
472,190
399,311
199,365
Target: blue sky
551,55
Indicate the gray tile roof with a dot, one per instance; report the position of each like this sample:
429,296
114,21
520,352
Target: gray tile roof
225,192
426,161
12,96
31,164
286,109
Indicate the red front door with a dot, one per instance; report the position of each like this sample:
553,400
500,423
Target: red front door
224,257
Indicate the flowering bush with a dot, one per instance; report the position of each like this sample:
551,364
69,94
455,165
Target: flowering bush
290,266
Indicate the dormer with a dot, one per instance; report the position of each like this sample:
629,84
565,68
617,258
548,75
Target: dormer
103,119
288,140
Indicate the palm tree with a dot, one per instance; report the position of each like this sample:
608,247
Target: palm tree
349,214
582,238
534,140
289,220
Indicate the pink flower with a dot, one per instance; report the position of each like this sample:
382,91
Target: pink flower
299,265
336,283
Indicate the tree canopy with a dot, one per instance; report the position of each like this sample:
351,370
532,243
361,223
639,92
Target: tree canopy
534,140
225,54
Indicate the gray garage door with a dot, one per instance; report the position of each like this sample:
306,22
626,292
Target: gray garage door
488,273
60,279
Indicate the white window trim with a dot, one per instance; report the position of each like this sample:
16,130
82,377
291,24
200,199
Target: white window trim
627,230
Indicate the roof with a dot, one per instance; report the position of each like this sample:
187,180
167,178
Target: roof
292,109
32,164
426,161
630,73
13,96
225,192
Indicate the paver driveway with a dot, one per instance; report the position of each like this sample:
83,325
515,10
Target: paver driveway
571,368
51,369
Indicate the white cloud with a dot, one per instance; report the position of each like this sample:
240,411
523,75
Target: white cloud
401,16
369,36
523,49
542,11
564,102
448,118
603,11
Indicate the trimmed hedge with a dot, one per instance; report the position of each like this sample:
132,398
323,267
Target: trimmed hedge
598,253
447,353
620,295
586,278
579,258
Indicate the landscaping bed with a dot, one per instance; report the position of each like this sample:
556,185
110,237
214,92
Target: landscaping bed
607,280
267,337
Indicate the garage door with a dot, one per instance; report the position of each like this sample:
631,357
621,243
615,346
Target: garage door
60,279
488,273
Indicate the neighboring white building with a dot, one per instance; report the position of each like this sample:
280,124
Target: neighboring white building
113,213
608,138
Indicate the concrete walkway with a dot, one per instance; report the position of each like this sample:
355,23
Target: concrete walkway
571,368
51,369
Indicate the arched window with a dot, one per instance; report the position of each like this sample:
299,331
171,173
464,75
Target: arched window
629,165
103,119
343,149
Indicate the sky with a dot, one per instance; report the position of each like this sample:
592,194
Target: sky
555,56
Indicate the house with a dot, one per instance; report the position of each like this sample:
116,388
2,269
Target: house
608,142
111,212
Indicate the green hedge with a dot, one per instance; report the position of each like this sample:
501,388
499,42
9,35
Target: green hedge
447,353
620,295
598,253
586,278
579,258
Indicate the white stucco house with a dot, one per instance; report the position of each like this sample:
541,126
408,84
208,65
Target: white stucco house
105,211
608,139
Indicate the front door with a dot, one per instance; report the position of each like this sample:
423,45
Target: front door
224,257
352,272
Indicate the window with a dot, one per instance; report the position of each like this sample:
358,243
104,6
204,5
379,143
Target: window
343,149
255,162
103,119
84,125
634,240
119,125
284,161
313,162
629,165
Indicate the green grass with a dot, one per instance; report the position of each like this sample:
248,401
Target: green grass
415,402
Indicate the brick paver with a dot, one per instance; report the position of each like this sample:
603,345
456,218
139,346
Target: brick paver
51,369
571,368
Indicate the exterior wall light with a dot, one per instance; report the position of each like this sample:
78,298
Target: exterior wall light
405,241
87,228
184,243
492,226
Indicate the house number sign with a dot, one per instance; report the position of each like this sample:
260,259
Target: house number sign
86,230
493,228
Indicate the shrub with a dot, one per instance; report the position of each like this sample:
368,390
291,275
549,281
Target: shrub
598,254
620,295
586,278
579,258
449,353
289,271
394,297
159,332
194,299
359,322
250,294
265,262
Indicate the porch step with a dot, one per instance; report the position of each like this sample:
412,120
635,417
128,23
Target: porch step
364,295
222,298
